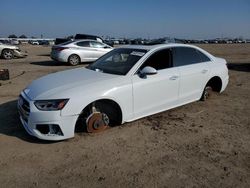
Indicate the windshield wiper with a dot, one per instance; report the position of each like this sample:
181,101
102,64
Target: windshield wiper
94,68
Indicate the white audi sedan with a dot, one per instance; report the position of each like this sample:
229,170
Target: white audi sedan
125,84
74,52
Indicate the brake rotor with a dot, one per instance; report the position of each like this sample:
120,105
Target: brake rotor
97,122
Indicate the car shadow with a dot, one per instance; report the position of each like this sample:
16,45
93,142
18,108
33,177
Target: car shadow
56,63
44,55
48,63
10,124
244,67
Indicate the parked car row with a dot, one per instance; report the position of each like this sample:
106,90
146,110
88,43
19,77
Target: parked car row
40,42
13,42
165,40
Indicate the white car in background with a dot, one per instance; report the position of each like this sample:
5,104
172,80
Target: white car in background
34,42
78,51
126,84
10,51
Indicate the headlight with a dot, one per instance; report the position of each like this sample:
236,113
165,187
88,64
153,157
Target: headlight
51,105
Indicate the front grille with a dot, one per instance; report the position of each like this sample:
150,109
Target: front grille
23,108
49,129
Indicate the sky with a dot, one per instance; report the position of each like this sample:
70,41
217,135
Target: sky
192,19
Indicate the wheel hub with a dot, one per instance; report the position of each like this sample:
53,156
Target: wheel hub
207,92
8,54
97,122
74,60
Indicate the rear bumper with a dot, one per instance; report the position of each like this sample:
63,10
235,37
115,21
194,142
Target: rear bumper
58,57
225,82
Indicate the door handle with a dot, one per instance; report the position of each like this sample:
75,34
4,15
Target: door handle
173,77
204,71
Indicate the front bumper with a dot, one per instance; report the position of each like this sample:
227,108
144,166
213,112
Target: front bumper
21,54
33,120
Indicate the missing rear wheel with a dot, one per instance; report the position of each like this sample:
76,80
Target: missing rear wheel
206,93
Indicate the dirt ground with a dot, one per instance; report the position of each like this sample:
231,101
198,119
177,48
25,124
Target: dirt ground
203,144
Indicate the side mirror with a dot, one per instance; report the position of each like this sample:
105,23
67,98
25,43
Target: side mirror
147,71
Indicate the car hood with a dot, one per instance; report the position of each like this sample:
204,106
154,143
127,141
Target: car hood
54,85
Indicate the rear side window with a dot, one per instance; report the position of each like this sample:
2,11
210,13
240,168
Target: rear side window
96,44
203,57
159,60
83,44
187,56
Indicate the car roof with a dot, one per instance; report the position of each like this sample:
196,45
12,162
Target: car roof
157,46
82,40
70,42
163,46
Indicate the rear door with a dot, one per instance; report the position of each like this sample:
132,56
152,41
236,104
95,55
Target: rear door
85,52
194,72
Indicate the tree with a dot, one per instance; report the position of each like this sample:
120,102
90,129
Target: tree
12,36
23,37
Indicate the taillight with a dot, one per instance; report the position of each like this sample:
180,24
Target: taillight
59,48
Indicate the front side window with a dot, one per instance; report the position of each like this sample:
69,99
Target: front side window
118,61
187,56
159,60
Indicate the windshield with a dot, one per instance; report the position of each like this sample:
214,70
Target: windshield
118,61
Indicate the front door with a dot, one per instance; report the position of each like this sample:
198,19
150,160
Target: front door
158,92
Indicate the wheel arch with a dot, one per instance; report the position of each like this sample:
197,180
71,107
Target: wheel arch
215,83
104,101
74,54
6,49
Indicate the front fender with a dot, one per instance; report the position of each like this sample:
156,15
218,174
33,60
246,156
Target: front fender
121,95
